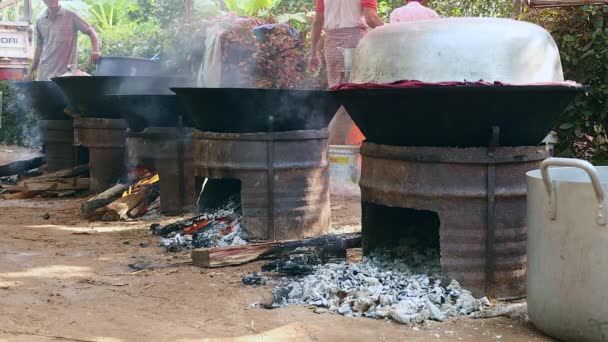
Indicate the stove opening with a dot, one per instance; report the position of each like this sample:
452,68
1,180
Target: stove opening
217,193
82,155
404,231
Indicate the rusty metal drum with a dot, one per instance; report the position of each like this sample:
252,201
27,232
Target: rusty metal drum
105,139
284,178
58,139
169,151
479,197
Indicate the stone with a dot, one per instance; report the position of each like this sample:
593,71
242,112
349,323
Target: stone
320,311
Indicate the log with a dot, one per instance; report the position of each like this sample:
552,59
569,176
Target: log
21,166
22,195
66,173
230,256
12,188
329,245
56,184
88,208
120,208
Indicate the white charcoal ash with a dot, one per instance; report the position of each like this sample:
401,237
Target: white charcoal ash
379,287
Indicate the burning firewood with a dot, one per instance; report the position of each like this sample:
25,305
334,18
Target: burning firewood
193,225
87,209
121,208
124,202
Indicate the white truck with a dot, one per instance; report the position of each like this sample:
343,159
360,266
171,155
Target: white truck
15,38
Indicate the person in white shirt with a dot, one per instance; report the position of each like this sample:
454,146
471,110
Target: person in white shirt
413,10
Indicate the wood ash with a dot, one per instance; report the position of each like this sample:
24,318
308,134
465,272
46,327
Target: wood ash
409,291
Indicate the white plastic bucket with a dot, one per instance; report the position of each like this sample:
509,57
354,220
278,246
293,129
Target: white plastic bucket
344,169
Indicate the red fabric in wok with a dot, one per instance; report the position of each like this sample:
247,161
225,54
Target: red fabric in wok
420,84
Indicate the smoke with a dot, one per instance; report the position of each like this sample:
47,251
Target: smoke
19,120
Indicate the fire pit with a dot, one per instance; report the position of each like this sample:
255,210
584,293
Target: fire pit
445,160
158,139
270,146
48,102
100,118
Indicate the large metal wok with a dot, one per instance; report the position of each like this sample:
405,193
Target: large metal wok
45,98
457,116
142,111
239,110
85,93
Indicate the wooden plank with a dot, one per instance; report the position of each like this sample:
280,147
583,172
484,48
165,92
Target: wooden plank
66,173
57,184
22,195
230,256
12,188
238,255
21,166
88,208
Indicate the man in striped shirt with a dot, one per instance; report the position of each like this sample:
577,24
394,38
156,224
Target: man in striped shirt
56,37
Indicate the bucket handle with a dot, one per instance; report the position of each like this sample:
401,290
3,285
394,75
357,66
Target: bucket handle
602,210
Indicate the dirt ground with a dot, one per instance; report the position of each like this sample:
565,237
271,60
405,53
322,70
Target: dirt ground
68,279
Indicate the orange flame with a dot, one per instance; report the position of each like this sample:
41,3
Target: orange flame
143,182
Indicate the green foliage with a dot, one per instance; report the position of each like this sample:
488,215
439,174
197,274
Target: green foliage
250,8
582,37
455,8
109,14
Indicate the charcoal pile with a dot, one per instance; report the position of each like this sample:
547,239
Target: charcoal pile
409,291
220,227
139,197
33,182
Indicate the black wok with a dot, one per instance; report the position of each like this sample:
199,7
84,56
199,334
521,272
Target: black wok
240,110
85,93
457,116
143,111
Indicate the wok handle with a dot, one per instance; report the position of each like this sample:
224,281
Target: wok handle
602,211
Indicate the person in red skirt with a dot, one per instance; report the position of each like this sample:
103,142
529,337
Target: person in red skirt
344,22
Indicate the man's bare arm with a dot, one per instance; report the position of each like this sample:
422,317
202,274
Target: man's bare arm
35,62
95,44
317,27
371,17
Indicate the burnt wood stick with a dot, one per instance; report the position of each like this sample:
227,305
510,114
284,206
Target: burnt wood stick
21,166
88,208
238,255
